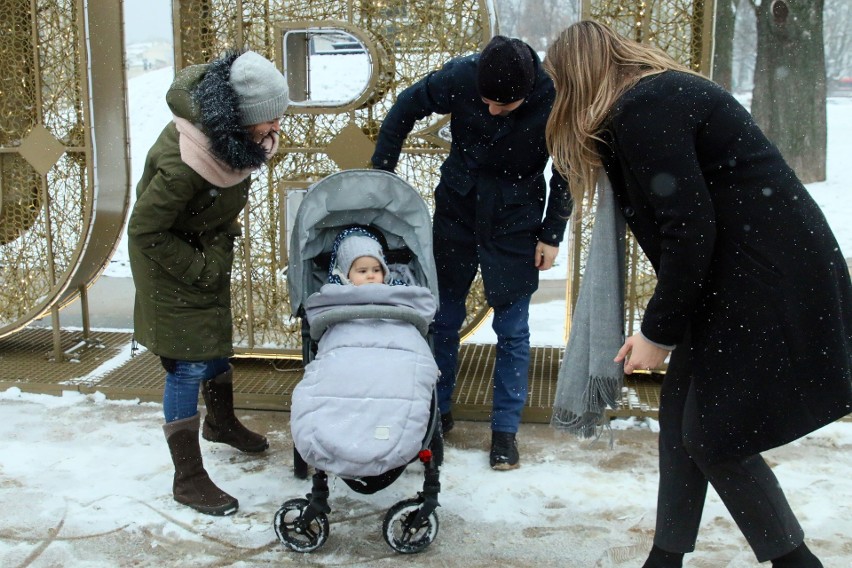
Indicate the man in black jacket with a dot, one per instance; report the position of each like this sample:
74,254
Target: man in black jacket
489,210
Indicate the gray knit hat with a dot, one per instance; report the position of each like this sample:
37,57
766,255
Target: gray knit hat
355,246
261,87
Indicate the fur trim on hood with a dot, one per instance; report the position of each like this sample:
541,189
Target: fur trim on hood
218,113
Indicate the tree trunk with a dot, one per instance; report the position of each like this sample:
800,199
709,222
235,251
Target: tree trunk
788,101
723,51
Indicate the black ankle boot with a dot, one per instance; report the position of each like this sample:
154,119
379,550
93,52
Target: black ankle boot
660,558
799,557
504,451
447,422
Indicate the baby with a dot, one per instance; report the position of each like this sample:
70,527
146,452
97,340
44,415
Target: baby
363,405
357,259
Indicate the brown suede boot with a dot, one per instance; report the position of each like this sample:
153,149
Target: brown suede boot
192,486
220,424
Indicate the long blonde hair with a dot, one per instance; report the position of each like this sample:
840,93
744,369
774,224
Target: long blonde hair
591,67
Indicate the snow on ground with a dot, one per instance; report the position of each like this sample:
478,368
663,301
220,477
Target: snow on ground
85,482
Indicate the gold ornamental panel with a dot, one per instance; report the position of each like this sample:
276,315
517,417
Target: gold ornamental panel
397,42
62,201
684,29
64,198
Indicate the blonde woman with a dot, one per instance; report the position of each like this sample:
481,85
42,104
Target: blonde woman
753,299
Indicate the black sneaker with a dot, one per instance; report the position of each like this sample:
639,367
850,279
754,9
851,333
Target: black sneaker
447,422
504,451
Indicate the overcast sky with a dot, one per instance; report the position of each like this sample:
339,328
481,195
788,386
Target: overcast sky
146,20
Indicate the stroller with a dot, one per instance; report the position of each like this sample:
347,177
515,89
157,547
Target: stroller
396,214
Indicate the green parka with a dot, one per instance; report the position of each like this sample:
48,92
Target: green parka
182,228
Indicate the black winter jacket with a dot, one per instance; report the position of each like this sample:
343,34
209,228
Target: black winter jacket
498,162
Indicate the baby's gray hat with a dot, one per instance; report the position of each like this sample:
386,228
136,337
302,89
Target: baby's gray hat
355,246
261,87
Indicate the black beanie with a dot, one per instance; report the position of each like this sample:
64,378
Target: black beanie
506,70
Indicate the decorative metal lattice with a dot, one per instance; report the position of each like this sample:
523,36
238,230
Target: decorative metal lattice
61,216
404,40
51,199
683,28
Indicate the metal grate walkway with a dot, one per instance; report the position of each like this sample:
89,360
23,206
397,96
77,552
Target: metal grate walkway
102,363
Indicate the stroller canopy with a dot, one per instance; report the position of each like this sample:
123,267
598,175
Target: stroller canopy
358,197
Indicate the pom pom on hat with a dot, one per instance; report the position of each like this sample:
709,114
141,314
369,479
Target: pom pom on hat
506,71
261,88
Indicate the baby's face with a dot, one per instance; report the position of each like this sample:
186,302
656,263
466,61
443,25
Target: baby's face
366,270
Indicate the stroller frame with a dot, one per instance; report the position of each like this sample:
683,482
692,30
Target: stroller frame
410,525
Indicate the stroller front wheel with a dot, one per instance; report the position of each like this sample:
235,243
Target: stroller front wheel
295,532
399,530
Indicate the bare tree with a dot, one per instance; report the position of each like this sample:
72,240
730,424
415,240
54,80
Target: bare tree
788,100
723,52
745,47
537,22
508,16
838,39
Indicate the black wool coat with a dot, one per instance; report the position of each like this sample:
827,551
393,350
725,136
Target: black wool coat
490,201
745,260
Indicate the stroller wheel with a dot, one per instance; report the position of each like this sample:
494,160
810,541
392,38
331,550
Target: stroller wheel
294,532
399,532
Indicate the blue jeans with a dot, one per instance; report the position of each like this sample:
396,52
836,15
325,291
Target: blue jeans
511,368
183,382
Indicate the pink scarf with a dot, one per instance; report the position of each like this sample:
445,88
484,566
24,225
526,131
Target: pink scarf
195,152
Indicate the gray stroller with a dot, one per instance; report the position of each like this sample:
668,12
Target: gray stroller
396,215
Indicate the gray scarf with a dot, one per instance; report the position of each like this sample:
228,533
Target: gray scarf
589,381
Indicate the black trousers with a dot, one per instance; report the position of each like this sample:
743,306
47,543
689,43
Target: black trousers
747,486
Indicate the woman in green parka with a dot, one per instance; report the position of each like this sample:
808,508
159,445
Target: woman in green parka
181,245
